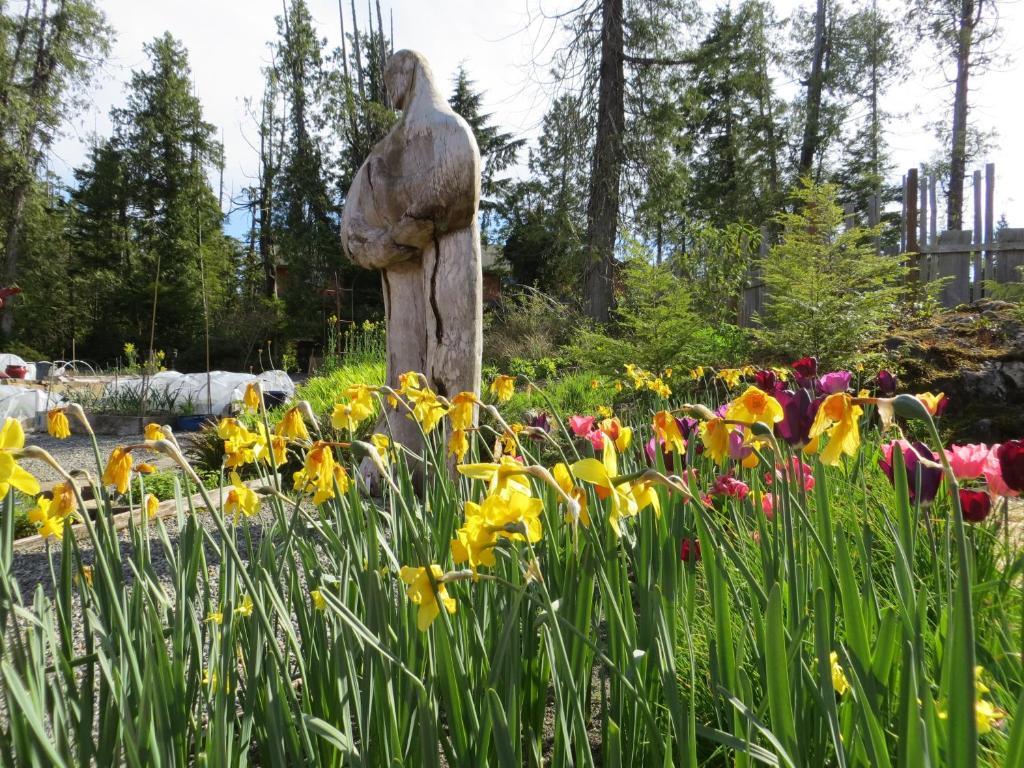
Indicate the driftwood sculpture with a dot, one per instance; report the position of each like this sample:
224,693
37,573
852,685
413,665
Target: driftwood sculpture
411,213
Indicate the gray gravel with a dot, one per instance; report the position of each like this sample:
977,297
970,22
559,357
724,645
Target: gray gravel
73,453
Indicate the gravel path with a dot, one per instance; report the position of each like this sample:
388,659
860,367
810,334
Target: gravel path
76,452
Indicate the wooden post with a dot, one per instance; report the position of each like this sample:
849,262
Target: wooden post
951,259
990,188
903,217
922,233
932,223
978,277
922,225
910,203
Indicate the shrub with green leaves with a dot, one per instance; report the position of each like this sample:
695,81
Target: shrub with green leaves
828,293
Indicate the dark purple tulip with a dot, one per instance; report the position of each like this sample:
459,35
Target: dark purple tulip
667,455
798,411
930,477
687,426
805,370
941,406
886,383
539,421
766,381
1011,463
836,381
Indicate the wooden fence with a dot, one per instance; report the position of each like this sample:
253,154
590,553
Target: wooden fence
964,259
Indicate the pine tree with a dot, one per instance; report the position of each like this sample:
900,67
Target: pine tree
498,150
146,215
48,54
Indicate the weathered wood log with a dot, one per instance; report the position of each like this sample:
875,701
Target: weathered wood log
411,212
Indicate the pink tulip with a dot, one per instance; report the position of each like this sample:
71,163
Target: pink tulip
967,461
768,506
581,425
727,485
994,475
596,438
797,468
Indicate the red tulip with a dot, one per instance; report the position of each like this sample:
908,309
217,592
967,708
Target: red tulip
975,505
690,546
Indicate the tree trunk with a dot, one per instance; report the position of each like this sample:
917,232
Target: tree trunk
958,150
267,171
603,206
812,118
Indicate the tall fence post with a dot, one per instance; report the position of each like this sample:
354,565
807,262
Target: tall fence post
977,276
1009,255
910,226
990,188
953,263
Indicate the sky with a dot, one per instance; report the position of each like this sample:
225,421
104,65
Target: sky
497,41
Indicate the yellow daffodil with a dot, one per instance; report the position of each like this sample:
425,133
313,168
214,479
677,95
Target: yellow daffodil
144,468
661,389
239,451
251,399
227,429
241,499
245,609
987,716
618,386
714,433
63,502
155,432
507,472
420,592
217,617
12,438
503,387
505,515
667,373
839,681
319,474
646,496
458,444
667,430
57,424
565,481
837,416
731,376
318,600
426,408
697,373
291,426
119,469
602,474
461,412
47,523
151,504
595,384
347,416
383,445
604,411
753,406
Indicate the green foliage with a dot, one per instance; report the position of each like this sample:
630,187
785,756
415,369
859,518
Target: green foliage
828,293
528,327
655,327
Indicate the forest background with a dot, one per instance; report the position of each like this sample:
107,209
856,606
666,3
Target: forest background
677,135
